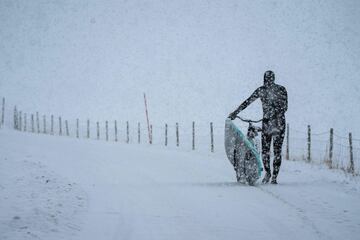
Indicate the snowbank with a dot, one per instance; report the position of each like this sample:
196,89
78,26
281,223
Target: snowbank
149,192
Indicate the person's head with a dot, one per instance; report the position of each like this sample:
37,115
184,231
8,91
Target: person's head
269,78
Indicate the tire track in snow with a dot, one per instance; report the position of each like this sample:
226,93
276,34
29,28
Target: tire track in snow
299,211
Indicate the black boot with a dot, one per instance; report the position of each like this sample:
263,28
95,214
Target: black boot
275,174
266,178
273,180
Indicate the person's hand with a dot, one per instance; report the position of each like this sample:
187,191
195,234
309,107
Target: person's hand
233,115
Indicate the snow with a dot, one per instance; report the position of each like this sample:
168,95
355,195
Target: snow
35,201
109,190
91,59
196,61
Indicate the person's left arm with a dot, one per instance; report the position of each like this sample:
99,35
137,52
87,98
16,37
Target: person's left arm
284,99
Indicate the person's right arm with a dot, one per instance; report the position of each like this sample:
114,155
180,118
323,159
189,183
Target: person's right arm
246,103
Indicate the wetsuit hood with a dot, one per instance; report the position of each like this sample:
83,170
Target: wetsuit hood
269,78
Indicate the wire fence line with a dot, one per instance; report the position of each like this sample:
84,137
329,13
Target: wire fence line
113,130
327,148
314,134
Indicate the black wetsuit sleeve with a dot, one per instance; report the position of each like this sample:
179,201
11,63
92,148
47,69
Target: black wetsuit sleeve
247,102
284,99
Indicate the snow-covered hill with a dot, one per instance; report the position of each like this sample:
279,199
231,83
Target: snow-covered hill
63,188
196,61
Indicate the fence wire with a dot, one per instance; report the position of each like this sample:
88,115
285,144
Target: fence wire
130,132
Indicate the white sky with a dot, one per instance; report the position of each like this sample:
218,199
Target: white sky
197,60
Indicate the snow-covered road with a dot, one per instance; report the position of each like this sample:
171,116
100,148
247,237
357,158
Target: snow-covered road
148,192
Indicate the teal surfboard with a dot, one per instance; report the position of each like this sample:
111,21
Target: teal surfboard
242,154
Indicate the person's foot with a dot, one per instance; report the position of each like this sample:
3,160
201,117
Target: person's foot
273,180
267,177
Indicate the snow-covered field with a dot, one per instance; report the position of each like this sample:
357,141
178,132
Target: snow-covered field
65,188
196,60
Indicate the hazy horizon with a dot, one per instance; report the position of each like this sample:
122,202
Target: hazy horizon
196,60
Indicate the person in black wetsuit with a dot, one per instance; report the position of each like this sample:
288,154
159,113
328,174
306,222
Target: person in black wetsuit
274,103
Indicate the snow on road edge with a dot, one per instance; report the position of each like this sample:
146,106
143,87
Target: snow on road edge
37,203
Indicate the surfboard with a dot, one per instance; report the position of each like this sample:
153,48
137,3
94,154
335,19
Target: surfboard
242,154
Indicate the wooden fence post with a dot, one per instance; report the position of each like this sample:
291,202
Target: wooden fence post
15,118
88,129
106,131
52,125
331,147
20,121
127,132
351,167
151,134
37,122
177,135
116,132
3,112
309,144
97,130
287,142
139,135
32,123
166,134
60,126
67,128
25,122
44,124
212,136
193,135
77,128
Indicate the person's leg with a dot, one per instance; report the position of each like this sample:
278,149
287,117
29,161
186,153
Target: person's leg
278,142
265,145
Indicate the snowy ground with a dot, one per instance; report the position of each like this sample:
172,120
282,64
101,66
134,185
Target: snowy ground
63,188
